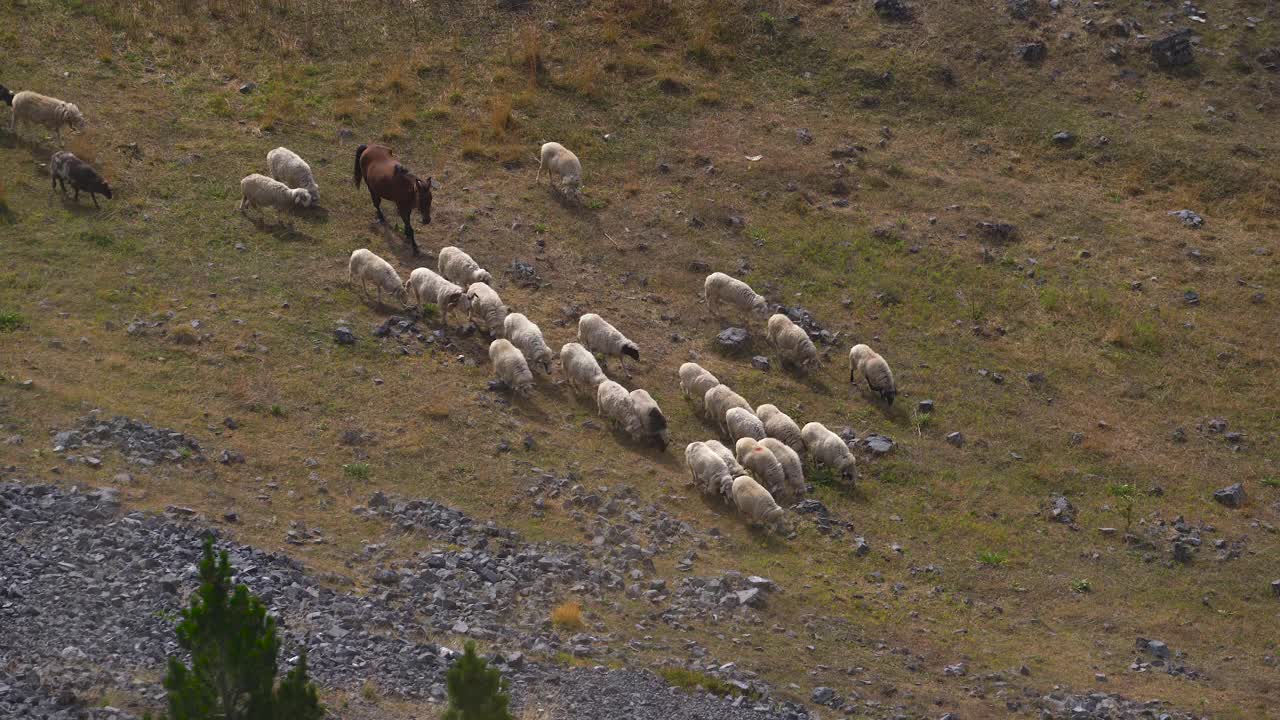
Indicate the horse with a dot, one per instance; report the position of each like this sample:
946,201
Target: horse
387,178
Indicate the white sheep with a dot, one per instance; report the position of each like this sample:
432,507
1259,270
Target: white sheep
365,267
425,287
600,337
485,309
730,460
779,425
867,362
653,424
528,337
510,367
792,467
557,159
260,191
52,113
830,450
695,381
718,400
762,464
742,423
720,288
581,371
458,266
791,343
710,474
289,168
755,502
614,404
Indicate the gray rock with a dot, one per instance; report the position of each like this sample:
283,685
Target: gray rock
733,339
1033,52
956,439
751,597
1062,137
926,406
824,696
1232,496
1189,218
344,336
1155,648
893,10
760,362
248,87
879,444
1061,510
1275,588
1173,50
956,670
860,546
804,137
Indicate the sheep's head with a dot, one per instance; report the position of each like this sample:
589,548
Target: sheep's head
301,197
453,300
632,351
481,276
74,117
858,353
544,360
849,470
760,307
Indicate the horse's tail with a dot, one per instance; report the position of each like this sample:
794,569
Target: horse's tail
358,174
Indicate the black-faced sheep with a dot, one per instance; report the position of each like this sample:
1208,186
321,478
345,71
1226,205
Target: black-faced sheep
653,424
67,168
600,337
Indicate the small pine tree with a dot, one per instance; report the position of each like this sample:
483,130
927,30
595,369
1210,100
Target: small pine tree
475,689
233,648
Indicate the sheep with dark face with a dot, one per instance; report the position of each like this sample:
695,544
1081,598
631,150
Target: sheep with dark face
599,336
653,424
67,168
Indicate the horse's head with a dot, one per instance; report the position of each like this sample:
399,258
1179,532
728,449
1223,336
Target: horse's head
423,189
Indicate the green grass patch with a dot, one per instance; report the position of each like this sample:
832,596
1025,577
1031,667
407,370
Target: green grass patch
356,471
11,320
692,679
993,558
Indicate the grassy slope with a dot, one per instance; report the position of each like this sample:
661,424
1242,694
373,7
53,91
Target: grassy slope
1140,361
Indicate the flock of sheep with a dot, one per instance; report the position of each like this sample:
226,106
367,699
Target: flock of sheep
765,463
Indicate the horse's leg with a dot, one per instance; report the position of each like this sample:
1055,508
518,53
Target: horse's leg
408,229
377,205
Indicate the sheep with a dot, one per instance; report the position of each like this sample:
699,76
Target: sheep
364,267
485,309
695,381
261,191
730,460
67,168
755,503
600,337
792,467
581,371
614,404
289,168
720,288
791,343
709,471
717,402
779,425
528,337
741,423
459,268
867,362
557,159
43,110
830,450
762,464
510,366
424,287
653,424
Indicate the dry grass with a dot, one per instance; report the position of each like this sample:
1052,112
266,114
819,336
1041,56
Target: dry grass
568,616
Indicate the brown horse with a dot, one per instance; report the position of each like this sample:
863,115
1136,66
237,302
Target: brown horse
387,178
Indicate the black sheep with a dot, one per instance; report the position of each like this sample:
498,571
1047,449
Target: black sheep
67,168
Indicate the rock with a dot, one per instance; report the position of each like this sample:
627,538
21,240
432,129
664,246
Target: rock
231,457
893,10
804,137
1063,138
1061,510
860,546
698,266
926,406
956,670
248,87
1155,648
1189,218
760,362
1232,496
878,444
733,339
1182,552
956,439
824,696
1191,297
998,231
386,577
1275,588
1021,9
1033,52
1173,50
344,336
1036,379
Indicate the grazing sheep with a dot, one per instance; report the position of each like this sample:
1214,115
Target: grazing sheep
581,371
528,337
614,404
424,286
791,343
792,468
289,168
510,367
718,400
754,502
459,268
600,337
709,471
6,96
695,381
720,288
829,449
31,107
653,424
261,191
762,464
742,423
366,267
867,362
557,159
730,460
779,425
67,168
485,309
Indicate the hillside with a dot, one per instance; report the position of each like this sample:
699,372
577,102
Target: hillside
997,226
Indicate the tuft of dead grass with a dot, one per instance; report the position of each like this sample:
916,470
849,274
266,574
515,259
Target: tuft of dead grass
568,616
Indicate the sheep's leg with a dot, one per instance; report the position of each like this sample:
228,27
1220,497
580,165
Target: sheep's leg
538,177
